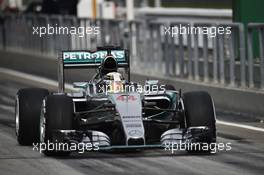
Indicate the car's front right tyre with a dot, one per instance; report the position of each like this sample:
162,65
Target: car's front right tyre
57,115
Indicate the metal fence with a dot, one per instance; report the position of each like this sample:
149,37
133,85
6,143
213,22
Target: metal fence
224,59
252,62
20,36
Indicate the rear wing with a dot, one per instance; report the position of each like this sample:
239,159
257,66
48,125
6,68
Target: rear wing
90,59
76,59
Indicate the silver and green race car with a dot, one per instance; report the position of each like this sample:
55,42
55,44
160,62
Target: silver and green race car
110,112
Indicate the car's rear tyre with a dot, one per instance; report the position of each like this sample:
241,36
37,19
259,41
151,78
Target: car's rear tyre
58,116
199,111
27,114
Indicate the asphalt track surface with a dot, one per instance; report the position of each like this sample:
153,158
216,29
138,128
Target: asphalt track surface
245,157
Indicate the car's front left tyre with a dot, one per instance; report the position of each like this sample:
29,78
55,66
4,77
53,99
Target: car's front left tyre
200,111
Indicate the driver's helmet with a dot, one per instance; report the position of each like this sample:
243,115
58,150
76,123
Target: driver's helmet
115,82
109,64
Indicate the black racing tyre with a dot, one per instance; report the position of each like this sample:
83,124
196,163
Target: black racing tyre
58,116
27,114
199,111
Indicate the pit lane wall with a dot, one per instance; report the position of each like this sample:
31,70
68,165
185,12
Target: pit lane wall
240,100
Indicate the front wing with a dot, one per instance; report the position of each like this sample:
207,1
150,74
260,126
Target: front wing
103,142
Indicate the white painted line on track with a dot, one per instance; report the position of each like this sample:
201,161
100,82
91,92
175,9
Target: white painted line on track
34,78
240,126
54,83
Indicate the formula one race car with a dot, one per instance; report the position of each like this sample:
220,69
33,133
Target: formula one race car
110,112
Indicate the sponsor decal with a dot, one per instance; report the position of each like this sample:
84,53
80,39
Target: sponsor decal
134,133
91,57
126,98
134,125
131,117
